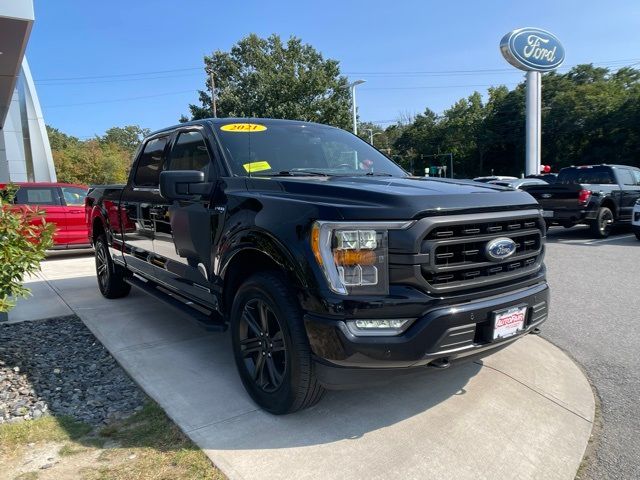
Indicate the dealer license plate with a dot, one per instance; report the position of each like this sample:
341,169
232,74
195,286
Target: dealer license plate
547,213
509,322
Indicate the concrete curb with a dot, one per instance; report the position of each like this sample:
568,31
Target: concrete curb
524,412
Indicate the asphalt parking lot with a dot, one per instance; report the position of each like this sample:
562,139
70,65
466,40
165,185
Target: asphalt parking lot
595,311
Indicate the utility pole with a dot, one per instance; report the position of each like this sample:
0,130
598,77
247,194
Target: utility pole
213,95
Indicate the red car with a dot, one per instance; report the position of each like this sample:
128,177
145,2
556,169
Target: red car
63,204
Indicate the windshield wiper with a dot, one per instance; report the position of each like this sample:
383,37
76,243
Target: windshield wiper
378,174
291,173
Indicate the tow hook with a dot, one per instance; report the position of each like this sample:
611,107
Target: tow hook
440,363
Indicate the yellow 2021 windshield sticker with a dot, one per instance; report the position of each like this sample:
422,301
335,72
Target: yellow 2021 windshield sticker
243,127
256,166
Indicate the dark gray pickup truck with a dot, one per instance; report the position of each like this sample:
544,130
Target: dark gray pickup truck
329,264
596,195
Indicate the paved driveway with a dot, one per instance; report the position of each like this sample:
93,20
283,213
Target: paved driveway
596,309
525,412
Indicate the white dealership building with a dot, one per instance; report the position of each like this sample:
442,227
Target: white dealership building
25,153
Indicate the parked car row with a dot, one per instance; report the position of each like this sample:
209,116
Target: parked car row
600,196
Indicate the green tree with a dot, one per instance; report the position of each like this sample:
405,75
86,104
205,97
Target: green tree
59,140
589,115
265,77
92,162
127,137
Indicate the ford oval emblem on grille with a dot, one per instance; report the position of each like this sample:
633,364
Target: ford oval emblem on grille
500,249
546,195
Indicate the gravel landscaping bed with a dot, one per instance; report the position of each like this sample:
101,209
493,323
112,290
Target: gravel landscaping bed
56,366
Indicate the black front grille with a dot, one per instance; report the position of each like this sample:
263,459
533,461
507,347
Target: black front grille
457,252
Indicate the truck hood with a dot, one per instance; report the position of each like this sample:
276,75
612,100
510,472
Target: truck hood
384,198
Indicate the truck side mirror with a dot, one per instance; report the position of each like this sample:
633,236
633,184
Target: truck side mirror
183,184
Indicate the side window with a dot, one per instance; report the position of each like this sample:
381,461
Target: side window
189,153
636,176
150,163
626,177
37,196
73,196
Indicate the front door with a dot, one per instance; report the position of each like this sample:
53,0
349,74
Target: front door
73,201
183,229
629,192
139,198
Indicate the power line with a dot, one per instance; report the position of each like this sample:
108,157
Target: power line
382,73
48,83
122,74
119,99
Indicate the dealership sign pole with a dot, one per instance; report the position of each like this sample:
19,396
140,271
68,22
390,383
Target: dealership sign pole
534,51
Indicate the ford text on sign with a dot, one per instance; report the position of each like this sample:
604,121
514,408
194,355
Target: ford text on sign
532,49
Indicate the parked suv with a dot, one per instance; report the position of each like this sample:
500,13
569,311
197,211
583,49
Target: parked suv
331,265
63,205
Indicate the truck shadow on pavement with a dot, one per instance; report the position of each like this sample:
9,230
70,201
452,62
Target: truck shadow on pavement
191,374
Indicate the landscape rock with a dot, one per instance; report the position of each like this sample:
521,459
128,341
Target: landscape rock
56,366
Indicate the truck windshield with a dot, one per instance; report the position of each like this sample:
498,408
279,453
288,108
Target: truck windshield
588,175
272,148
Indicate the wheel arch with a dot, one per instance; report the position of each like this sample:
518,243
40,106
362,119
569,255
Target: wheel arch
257,252
608,202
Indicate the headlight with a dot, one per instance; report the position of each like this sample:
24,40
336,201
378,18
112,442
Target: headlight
353,255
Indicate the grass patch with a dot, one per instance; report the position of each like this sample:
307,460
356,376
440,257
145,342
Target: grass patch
44,429
161,451
145,446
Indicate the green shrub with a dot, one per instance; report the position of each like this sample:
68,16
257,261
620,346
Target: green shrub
24,237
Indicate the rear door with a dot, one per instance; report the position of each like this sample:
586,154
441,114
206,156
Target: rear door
139,197
73,201
183,229
46,199
629,191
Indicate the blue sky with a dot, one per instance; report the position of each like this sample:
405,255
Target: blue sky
381,42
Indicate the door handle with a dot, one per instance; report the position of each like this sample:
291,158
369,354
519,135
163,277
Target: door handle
76,211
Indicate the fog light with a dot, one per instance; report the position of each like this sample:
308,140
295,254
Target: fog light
385,326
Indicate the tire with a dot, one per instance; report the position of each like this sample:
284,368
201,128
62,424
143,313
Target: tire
110,276
270,346
601,227
638,235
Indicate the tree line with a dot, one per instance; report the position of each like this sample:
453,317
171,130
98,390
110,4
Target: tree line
99,160
589,115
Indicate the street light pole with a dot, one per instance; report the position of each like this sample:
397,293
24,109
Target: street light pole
354,107
213,95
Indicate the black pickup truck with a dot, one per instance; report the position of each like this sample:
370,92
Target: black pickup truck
597,195
330,265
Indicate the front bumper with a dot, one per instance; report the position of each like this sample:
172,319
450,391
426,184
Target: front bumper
445,334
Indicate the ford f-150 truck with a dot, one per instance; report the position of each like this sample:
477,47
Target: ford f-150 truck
596,195
329,264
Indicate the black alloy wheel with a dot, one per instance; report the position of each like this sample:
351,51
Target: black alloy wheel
603,224
270,345
111,280
262,345
102,266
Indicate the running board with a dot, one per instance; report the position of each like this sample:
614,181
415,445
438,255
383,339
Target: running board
202,319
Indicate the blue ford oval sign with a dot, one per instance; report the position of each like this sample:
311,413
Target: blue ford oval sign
532,49
500,249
